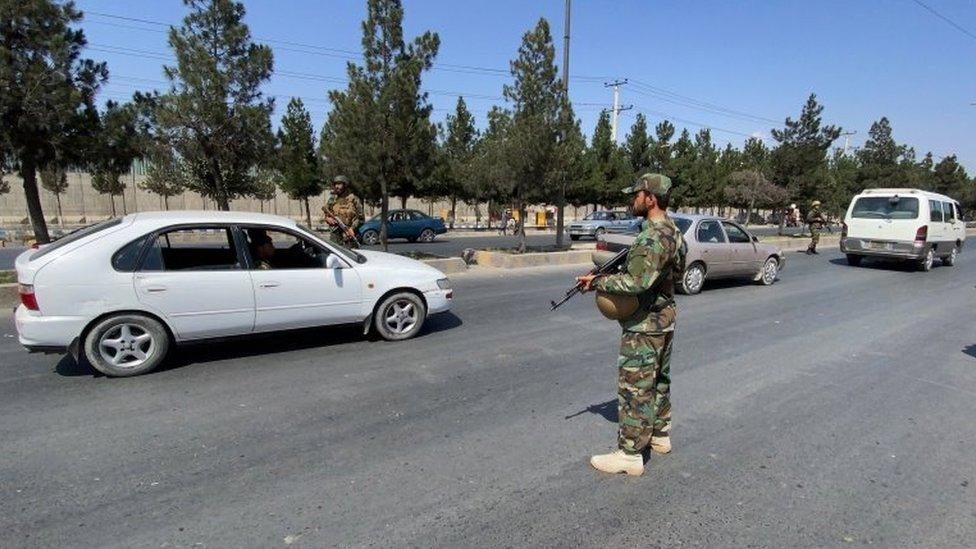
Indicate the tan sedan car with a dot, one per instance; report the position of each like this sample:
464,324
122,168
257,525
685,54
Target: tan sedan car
717,248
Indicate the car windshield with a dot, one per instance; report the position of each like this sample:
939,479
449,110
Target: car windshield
348,252
597,216
885,207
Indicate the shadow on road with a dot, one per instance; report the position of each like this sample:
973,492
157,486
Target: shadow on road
263,344
606,409
970,350
882,264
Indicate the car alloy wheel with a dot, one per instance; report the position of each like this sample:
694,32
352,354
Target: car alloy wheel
126,345
400,316
693,279
371,237
427,235
769,271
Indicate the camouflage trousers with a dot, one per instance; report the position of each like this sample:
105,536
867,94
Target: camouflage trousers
643,389
814,238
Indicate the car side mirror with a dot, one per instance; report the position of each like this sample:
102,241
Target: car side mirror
755,238
333,262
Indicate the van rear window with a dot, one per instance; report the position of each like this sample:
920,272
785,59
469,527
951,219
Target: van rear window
75,236
885,207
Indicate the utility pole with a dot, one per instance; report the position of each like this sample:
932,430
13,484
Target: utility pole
561,198
847,140
616,105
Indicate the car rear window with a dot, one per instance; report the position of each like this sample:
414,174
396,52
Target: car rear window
75,236
885,207
683,224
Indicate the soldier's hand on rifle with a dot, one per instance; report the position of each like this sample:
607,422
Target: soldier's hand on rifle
349,234
587,281
330,220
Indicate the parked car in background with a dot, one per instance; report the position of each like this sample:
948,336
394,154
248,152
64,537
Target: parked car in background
122,292
907,224
409,224
599,223
717,248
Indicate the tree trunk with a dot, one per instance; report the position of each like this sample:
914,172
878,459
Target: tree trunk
384,213
752,204
60,214
166,203
111,199
521,226
560,212
782,221
453,211
308,213
28,172
125,210
403,202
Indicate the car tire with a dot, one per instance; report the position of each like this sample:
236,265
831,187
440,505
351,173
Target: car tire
400,316
950,260
692,279
126,345
427,235
854,260
925,264
371,237
574,237
600,231
769,272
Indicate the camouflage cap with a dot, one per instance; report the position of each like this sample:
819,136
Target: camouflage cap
653,183
340,179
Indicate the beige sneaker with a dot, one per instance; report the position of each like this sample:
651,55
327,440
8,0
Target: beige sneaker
661,445
619,462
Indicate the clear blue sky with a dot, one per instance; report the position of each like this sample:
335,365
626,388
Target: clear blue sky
864,59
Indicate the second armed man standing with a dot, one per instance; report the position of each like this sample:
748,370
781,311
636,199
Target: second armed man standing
654,263
344,206
816,221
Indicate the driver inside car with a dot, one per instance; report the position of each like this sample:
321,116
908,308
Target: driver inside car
262,250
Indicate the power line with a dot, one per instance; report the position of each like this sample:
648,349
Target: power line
666,116
649,90
955,25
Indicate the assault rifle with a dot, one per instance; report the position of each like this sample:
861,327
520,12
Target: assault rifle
609,267
349,241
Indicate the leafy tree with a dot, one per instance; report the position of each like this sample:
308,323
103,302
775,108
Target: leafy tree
491,175
844,170
536,95
165,174
681,171
214,115
751,189
884,163
297,162
47,91
949,178
266,186
799,161
54,179
703,184
638,145
755,155
568,163
117,145
607,166
379,131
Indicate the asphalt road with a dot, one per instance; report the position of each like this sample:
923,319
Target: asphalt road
444,246
834,407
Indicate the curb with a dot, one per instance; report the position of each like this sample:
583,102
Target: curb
450,265
513,261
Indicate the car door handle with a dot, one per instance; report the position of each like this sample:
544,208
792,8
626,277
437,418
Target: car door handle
155,289
269,284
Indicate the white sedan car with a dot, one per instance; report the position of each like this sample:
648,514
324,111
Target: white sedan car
121,292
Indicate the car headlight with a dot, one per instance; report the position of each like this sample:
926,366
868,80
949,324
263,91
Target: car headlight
444,283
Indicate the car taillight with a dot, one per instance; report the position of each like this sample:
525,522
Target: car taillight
921,235
27,297
601,245
843,230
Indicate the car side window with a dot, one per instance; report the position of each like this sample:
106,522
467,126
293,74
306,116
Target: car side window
736,234
193,249
271,249
417,216
127,258
947,212
956,208
935,211
710,232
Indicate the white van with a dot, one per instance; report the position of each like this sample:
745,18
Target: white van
903,224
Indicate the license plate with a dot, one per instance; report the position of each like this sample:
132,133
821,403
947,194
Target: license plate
879,245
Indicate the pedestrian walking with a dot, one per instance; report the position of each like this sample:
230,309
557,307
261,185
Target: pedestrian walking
653,264
816,221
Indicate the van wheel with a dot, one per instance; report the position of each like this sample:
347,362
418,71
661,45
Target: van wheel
126,345
950,259
925,264
854,260
693,279
400,316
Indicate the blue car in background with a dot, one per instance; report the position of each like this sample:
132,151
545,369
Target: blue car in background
409,224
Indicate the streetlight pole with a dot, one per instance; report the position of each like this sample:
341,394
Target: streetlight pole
561,198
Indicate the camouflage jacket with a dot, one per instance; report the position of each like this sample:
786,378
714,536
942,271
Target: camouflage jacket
654,263
815,218
346,208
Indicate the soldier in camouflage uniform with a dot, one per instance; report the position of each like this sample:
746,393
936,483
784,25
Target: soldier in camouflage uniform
816,221
654,263
346,207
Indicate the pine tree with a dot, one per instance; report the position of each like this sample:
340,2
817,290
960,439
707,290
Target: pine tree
607,168
378,132
569,163
458,148
54,179
536,98
165,174
297,161
47,91
116,146
884,163
491,175
266,186
638,145
681,171
661,153
799,162
214,115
